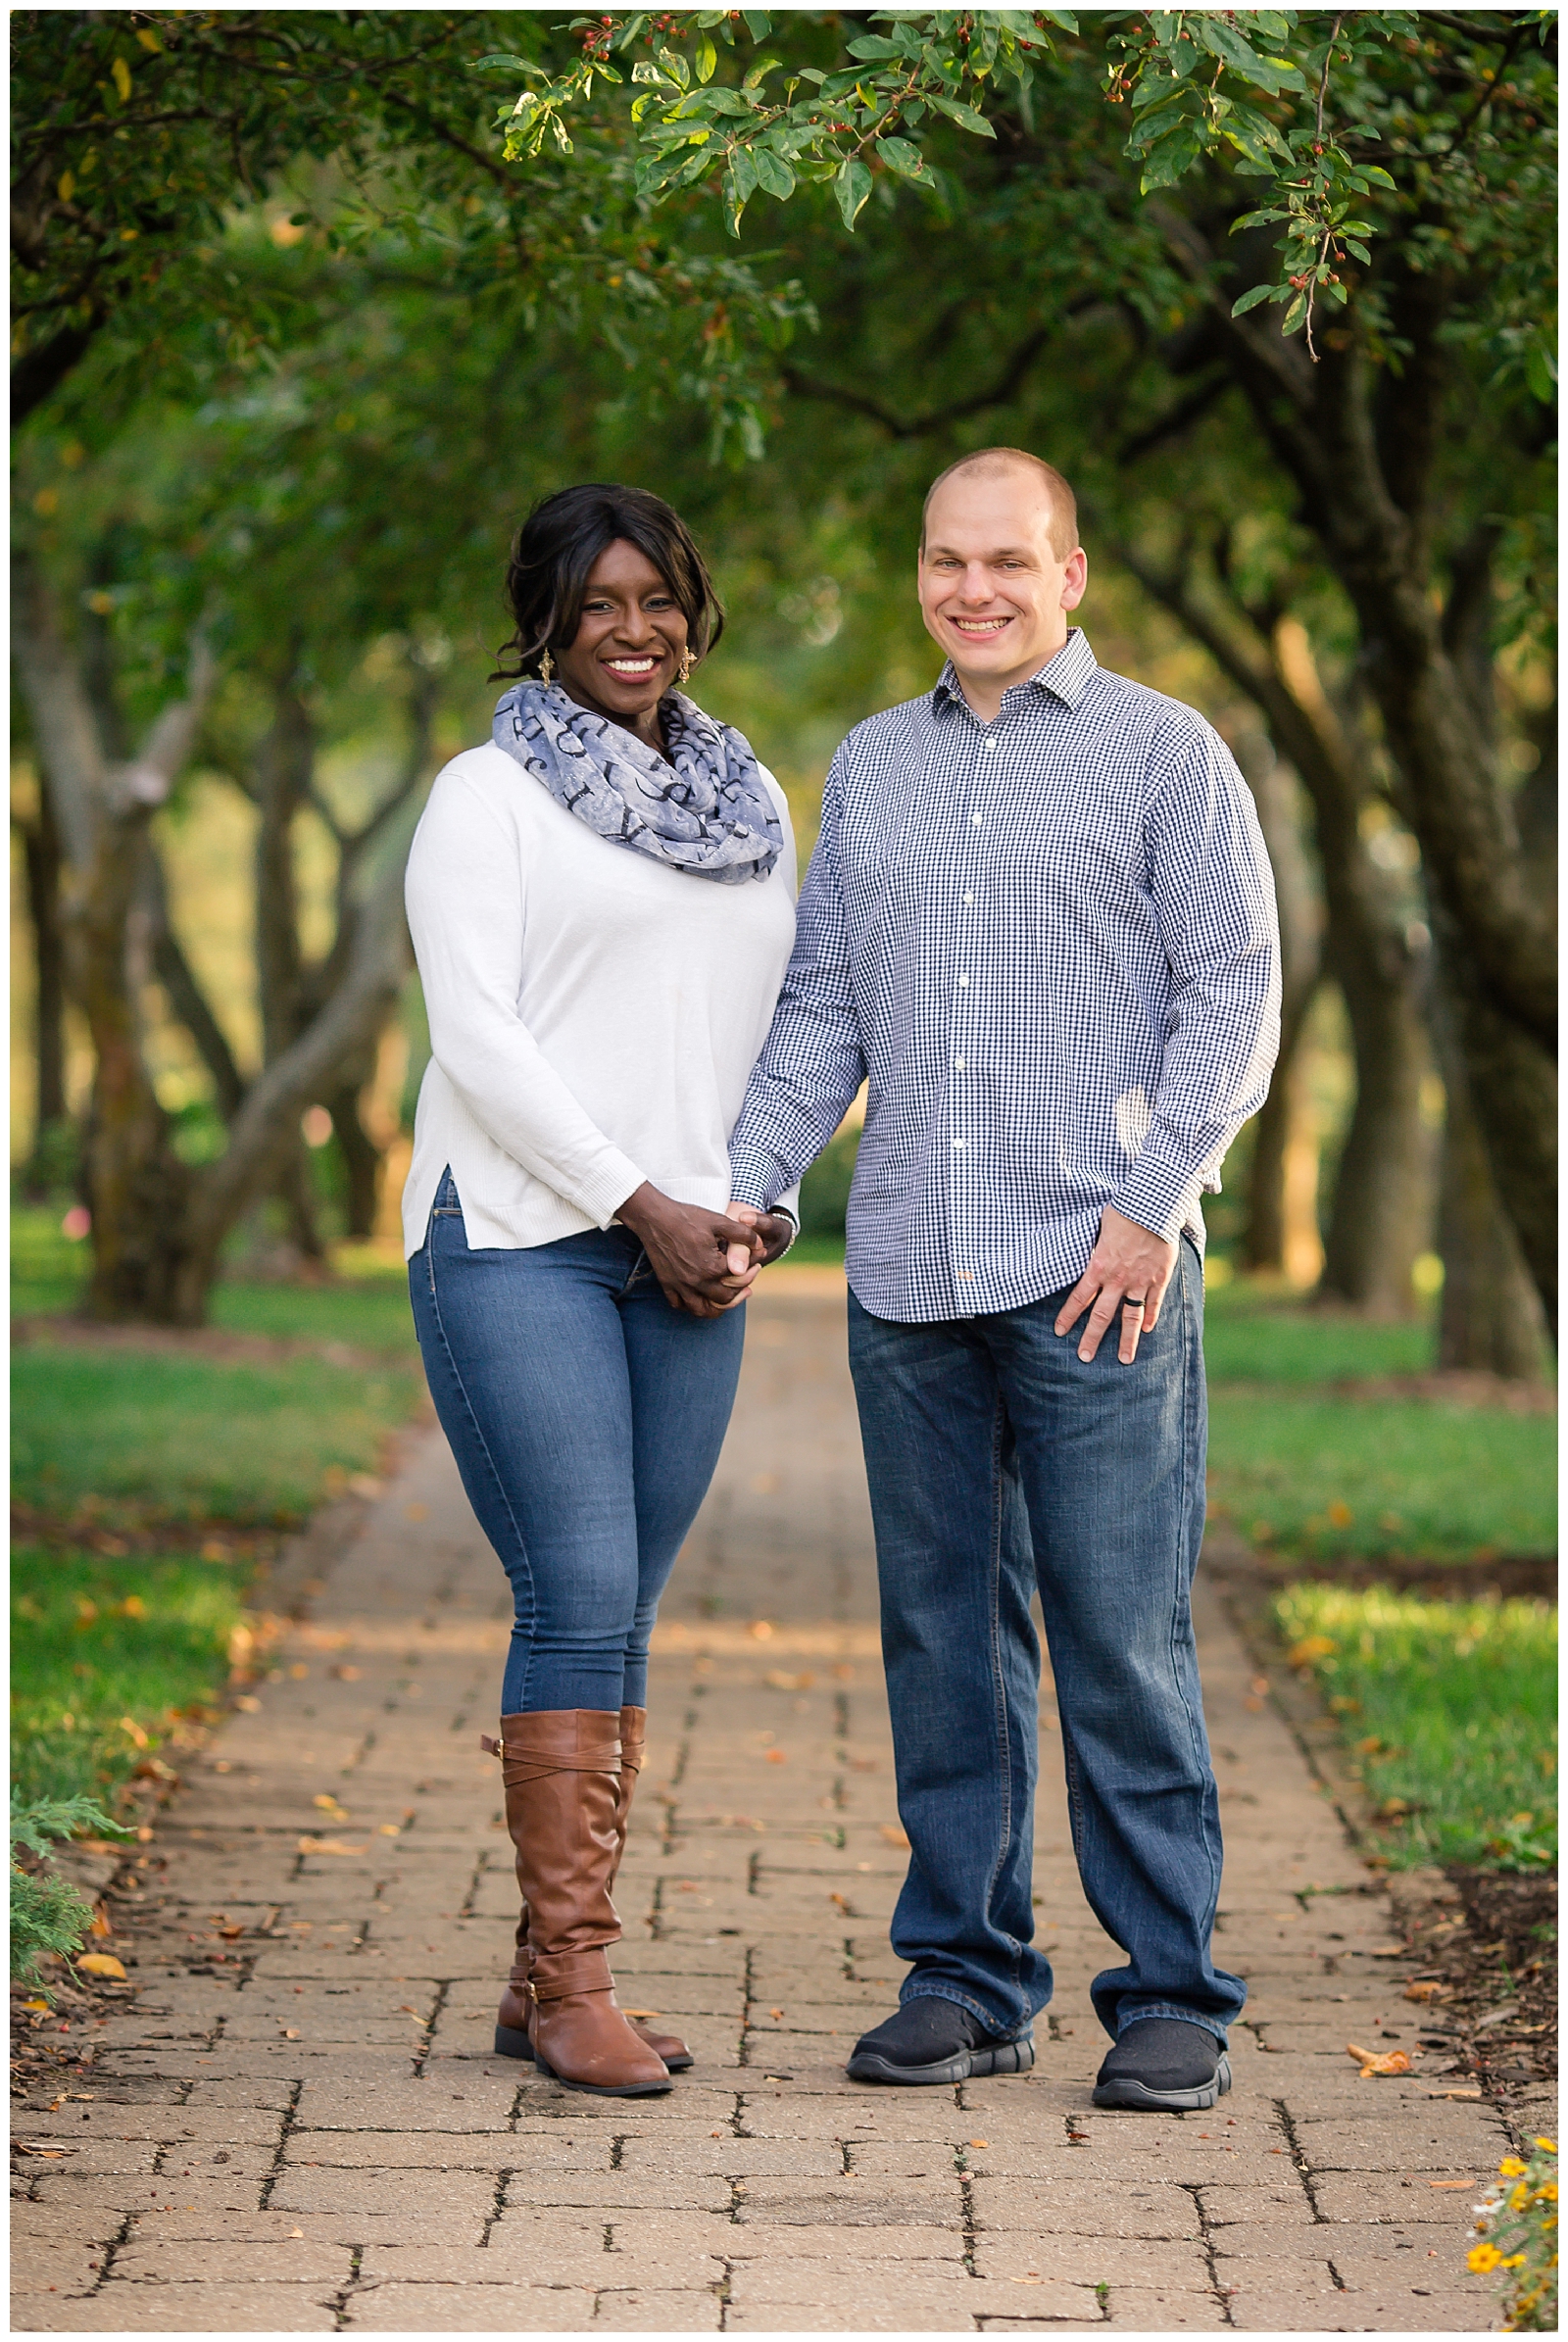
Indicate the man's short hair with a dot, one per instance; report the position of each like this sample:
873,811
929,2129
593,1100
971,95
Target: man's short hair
1064,503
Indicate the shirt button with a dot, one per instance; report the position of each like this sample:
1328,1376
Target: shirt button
963,983
988,744
970,897
958,1062
977,818
958,1142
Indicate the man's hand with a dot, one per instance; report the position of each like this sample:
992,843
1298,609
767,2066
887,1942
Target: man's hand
1128,1270
773,1228
704,1261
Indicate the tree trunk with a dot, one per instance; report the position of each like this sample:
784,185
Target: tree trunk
1491,1321
40,846
361,1158
1381,1216
1275,794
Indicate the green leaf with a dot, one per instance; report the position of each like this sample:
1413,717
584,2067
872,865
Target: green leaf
1540,373
873,44
1256,219
504,62
902,155
773,175
631,31
676,66
851,186
1222,40
763,65
964,115
706,59
1360,251
644,71
1296,314
1377,177
1252,300
759,24
1170,160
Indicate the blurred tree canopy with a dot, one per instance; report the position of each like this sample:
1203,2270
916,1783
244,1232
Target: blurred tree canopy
302,328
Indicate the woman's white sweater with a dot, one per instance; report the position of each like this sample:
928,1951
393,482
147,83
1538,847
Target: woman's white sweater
594,1014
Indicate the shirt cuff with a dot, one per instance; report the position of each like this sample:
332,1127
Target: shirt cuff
615,1180
1160,1195
752,1177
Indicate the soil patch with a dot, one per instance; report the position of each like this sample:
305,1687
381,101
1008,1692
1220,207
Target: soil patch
1493,1965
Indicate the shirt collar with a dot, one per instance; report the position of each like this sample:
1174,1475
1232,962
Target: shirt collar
1065,675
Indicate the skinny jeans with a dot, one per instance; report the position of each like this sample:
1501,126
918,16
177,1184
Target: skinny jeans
586,1416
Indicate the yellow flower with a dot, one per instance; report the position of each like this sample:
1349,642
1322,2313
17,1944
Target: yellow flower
1513,2261
1548,2194
1518,2199
1550,2145
1511,2167
1483,2258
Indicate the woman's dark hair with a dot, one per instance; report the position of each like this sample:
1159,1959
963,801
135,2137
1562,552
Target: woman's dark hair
556,549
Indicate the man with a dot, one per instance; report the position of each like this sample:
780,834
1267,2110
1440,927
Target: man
1040,924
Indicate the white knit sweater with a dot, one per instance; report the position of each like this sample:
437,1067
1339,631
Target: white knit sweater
594,1014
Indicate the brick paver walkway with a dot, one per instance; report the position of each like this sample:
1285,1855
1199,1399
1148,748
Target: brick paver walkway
309,2132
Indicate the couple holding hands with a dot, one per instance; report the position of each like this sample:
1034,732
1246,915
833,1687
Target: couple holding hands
1039,926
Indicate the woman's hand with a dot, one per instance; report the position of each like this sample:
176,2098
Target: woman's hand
704,1263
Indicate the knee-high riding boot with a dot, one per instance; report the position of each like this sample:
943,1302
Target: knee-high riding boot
561,1774
511,2018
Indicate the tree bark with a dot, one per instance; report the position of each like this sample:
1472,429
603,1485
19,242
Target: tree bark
1300,959
1491,1320
40,846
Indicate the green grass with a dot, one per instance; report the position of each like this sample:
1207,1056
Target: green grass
93,1641
1328,1478
1250,1339
366,1308
141,1436
1451,1708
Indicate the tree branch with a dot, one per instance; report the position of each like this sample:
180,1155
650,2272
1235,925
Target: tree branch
921,426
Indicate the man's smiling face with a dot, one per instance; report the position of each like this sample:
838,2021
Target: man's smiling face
995,592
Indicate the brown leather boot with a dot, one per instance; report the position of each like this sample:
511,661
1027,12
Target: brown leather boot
511,2017
633,1743
561,1774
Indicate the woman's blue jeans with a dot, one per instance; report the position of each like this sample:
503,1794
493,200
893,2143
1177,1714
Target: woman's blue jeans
586,1416
1000,1462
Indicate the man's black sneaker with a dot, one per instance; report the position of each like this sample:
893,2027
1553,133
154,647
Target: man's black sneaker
932,2040
1164,2065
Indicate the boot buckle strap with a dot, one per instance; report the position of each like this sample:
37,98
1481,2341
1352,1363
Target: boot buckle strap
556,1975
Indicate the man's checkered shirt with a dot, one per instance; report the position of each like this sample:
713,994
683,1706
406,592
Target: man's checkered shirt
1048,944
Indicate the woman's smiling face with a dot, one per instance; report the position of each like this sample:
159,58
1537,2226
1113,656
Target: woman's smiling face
629,640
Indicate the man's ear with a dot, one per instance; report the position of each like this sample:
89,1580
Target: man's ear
1075,584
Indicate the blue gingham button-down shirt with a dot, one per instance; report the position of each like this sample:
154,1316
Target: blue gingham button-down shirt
1048,944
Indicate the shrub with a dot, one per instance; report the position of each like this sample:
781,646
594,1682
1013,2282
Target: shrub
48,1915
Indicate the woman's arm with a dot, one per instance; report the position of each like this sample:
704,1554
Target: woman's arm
464,893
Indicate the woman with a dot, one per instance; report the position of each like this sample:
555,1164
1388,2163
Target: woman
602,904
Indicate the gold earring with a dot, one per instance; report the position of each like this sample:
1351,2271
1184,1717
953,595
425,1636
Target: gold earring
683,673
547,667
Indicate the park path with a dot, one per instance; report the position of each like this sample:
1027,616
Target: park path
298,2125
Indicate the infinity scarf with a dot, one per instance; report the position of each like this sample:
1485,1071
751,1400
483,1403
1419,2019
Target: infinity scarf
706,812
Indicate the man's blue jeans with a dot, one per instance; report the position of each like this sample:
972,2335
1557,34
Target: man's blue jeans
997,1462
586,1417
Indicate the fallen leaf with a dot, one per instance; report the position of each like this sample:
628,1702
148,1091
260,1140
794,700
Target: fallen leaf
1451,2183
1390,2061
326,1845
1453,2093
775,2013
1389,1951
787,1682
842,1901
388,1829
327,1803
1422,1991
296,2231
777,1756
894,1834
101,1963
645,2013
979,2142
291,2032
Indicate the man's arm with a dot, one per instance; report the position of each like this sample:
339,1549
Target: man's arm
811,1064
1213,893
